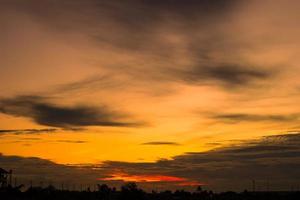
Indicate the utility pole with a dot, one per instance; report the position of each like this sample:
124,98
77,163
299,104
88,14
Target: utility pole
10,177
253,185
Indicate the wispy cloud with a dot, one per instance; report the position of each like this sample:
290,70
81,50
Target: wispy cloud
161,143
227,74
27,131
72,141
158,33
242,117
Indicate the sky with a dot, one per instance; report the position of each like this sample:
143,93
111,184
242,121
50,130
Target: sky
166,93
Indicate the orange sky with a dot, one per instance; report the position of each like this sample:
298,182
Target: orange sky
87,82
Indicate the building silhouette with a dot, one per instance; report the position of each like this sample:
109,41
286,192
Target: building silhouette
5,177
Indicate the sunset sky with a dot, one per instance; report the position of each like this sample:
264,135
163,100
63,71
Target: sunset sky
167,93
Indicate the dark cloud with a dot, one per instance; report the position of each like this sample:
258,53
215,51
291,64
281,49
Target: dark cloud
38,170
140,33
138,27
27,131
44,113
157,37
274,158
240,117
161,143
228,75
134,16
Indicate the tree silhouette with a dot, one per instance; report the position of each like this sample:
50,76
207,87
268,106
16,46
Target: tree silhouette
131,191
104,191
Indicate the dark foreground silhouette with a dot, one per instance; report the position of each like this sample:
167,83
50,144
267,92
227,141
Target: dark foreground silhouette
130,191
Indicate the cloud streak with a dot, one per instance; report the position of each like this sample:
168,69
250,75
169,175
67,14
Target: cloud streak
27,131
242,117
158,143
44,113
227,75
72,141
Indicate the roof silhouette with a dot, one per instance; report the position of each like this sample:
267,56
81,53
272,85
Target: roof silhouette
2,171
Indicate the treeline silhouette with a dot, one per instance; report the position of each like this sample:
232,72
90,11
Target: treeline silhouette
130,191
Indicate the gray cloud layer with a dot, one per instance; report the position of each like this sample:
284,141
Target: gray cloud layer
44,113
274,159
41,170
